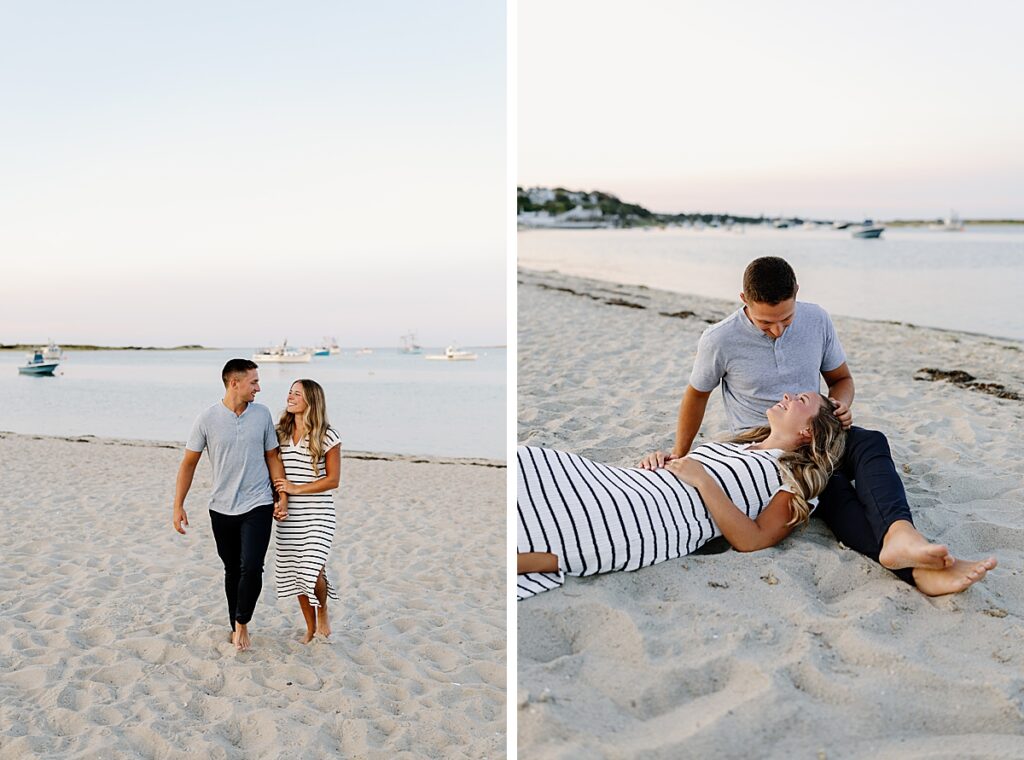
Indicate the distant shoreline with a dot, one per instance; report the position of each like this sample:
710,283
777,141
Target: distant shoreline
379,456
73,347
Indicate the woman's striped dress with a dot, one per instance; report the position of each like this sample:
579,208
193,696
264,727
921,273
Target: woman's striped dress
304,537
597,519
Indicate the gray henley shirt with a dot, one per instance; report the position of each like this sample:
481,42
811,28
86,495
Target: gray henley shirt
755,369
237,445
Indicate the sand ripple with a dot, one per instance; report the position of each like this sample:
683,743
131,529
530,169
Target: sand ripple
705,657
113,630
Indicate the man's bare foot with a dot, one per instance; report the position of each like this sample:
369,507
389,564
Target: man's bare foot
323,623
308,637
904,547
231,636
241,638
954,579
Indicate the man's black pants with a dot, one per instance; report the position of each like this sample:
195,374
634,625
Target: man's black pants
865,496
242,542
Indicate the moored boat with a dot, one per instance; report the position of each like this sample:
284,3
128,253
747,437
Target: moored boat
951,223
869,233
282,355
37,364
52,352
409,345
451,354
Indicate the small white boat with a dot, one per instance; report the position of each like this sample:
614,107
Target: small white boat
52,352
364,352
282,355
37,364
869,233
331,344
951,223
409,345
451,354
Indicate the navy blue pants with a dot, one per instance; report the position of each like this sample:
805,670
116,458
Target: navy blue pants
242,542
865,496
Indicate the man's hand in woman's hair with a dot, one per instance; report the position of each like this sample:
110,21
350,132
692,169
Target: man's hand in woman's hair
842,412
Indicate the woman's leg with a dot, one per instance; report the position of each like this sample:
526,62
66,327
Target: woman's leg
309,613
536,562
323,622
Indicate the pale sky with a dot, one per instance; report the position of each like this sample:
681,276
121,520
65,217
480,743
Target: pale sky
234,173
882,109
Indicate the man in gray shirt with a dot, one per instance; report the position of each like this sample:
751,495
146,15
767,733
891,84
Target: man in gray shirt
240,438
774,345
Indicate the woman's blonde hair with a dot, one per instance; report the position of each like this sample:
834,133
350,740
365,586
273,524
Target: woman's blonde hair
316,422
807,469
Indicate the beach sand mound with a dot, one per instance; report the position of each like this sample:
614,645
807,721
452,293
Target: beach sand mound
114,630
805,649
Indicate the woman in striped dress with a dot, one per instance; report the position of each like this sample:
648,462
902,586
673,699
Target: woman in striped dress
579,517
311,453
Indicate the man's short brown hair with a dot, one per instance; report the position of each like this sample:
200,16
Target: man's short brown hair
236,367
769,280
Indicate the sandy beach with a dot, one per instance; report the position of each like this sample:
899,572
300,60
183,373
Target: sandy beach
807,649
114,632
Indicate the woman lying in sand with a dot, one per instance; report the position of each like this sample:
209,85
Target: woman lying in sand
580,517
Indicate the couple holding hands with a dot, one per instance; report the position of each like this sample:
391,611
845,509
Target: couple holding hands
262,473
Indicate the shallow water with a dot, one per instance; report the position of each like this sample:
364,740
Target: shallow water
384,402
971,280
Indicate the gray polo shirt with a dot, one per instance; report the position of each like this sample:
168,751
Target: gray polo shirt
236,445
755,369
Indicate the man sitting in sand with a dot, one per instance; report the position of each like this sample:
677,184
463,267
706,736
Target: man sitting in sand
776,344
240,438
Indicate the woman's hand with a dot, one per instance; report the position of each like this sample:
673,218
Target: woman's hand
690,471
284,485
655,461
280,510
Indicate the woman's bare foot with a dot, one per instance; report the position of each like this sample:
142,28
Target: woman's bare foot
904,547
308,637
241,638
323,623
951,580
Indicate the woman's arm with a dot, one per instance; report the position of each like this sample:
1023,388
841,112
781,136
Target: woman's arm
744,534
329,482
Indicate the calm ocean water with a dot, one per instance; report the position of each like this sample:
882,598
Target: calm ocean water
383,402
971,280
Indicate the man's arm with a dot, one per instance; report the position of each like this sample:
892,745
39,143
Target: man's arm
840,390
276,469
186,472
691,415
